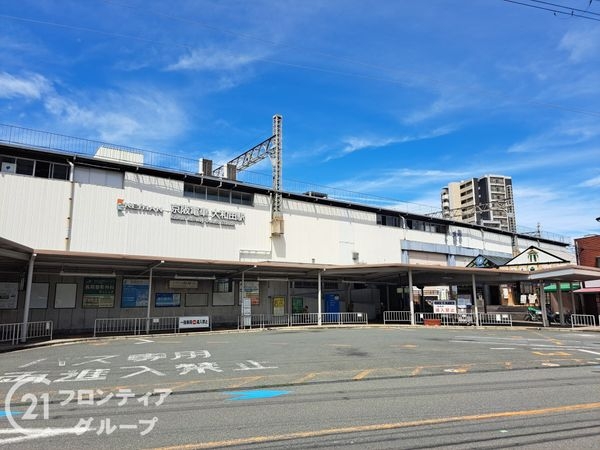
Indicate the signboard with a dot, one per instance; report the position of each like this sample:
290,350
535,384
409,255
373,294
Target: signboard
332,303
278,306
135,293
251,291
183,284
198,215
39,296
8,295
99,292
297,305
194,322
167,299
246,312
444,307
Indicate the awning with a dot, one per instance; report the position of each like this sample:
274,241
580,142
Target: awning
564,287
588,290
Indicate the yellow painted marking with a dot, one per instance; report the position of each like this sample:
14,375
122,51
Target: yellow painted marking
244,381
361,375
508,365
306,377
551,339
552,353
416,371
383,426
403,345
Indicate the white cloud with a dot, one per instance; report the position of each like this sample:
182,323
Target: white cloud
213,59
592,182
582,45
548,208
137,118
561,135
404,178
356,143
33,86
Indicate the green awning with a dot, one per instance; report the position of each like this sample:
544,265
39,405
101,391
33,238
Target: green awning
563,287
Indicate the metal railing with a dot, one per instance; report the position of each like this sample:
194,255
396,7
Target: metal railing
11,332
342,318
495,319
448,318
268,320
583,320
396,316
135,325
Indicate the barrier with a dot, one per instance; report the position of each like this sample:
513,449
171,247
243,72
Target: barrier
135,325
304,319
396,316
495,319
343,318
583,320
262,321
267,320
11,332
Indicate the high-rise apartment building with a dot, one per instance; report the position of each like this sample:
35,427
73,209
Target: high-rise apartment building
486,201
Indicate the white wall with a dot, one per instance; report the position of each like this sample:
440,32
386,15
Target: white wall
34,211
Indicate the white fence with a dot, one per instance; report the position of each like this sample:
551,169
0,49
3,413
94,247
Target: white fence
448,318
495,319
11,332
268,320
396,316
135,325
583,320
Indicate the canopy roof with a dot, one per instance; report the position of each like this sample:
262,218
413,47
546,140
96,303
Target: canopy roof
15,257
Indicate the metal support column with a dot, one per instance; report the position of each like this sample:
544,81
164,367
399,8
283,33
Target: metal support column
561,311
319,295
543,304
150,297
411,297
24,325
474,286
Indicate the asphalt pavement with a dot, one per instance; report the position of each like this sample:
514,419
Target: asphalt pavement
355,387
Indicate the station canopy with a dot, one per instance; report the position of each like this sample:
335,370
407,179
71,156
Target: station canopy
14,258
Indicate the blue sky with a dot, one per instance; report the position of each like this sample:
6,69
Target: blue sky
388,98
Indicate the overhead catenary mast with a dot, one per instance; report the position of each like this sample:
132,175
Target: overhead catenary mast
272,148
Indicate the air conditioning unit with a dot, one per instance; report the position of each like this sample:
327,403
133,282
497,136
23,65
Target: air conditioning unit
9,167
354,256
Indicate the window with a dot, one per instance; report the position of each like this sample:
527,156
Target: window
37,168
222,285
217,195
25,166
60,172
42,169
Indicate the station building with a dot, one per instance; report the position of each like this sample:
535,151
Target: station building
90,231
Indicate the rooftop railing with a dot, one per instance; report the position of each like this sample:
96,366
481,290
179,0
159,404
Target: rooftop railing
36,139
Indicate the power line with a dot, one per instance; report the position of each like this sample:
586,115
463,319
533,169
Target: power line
585,11
557,11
